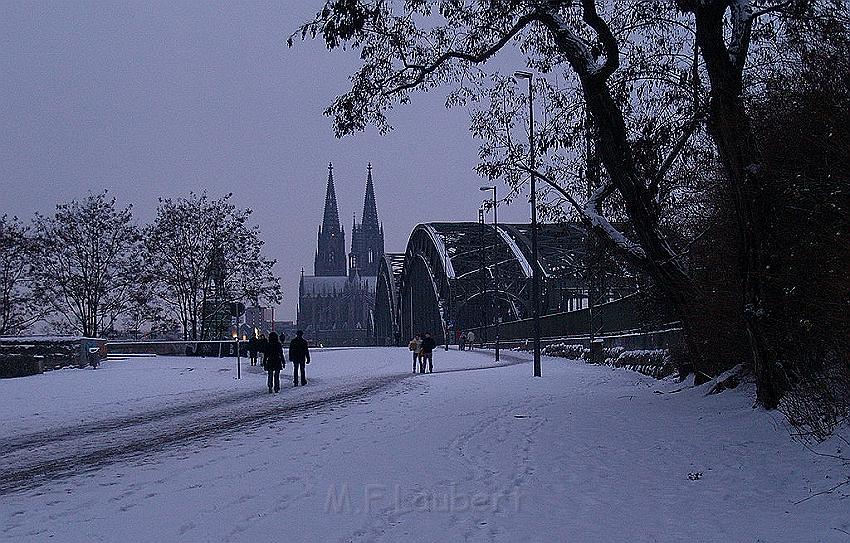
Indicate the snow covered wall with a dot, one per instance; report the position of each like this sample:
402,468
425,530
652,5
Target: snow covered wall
21,356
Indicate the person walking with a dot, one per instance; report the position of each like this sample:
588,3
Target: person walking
299,355
462,341
274,361
252,349
470,340
262,344
415,347
427,353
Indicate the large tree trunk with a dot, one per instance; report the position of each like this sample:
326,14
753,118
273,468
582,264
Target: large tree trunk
729,126
661,263
659,260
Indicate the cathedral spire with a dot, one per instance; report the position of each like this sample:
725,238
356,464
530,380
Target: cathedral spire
367,239
330,255
370,209
330,221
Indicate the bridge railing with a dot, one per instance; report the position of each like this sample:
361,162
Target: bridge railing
631,314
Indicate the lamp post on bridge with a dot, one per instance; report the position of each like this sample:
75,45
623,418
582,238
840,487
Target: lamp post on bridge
486,334
535,273
448,305
498,312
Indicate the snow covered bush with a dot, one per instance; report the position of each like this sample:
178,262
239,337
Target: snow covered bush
655,362
611,354
567,350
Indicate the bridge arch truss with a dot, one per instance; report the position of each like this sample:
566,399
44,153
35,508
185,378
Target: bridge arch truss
446,279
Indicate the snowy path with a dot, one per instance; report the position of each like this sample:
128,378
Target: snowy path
34,459
370,452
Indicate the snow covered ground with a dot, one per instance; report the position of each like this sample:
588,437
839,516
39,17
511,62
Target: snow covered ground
176,449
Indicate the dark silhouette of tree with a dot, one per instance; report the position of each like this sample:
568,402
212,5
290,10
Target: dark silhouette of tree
205,256
18,306
88,263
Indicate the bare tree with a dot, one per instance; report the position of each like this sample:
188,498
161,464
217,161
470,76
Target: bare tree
205,256
88,263
18,306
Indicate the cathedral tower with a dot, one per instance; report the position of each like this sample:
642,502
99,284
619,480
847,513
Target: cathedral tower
367,238
330,256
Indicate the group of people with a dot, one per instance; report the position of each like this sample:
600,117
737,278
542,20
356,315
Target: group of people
257,348
466,340
422,348
268,352
273,359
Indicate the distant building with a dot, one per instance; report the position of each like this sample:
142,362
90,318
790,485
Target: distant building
256,320
336,304
285,329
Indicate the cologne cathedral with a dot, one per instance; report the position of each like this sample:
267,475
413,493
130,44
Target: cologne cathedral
336,304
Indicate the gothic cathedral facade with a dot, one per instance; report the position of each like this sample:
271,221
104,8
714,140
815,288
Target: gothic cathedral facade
336,304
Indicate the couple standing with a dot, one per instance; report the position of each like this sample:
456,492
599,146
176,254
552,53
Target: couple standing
274,361
423,350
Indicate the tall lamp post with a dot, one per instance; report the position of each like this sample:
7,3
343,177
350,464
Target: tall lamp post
498,311
448,306
535,272
486,335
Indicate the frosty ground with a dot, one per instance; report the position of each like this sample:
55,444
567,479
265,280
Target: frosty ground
174,448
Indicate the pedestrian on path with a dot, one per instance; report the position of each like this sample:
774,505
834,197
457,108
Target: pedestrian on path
470,340
415,347
273,361
252,349
299,355
462,341
427,353
262,345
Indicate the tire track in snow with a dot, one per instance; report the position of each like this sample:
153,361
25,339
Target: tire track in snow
46,437
113,445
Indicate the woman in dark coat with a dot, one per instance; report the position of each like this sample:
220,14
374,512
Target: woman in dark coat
274,361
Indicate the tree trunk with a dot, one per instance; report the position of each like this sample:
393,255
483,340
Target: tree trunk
729,127
661,263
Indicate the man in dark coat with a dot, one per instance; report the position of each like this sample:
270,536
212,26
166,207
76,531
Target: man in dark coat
428,345
252,349
299,355
274,361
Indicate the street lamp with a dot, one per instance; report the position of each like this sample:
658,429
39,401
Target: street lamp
535,272
448,306
495,263
486,333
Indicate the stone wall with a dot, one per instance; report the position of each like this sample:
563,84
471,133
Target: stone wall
21,356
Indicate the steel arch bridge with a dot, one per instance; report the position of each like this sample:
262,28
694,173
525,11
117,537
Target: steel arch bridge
447,278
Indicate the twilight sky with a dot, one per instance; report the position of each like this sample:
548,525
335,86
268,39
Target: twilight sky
151,99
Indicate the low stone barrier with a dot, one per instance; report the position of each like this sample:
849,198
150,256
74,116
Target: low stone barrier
30,355
177,348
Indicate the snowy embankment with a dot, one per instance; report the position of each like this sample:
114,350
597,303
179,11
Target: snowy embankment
177,449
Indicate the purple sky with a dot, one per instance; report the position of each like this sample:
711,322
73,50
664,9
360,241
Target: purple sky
162,98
